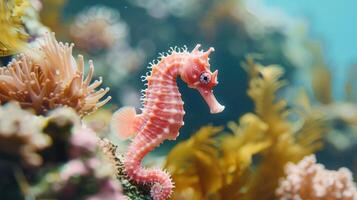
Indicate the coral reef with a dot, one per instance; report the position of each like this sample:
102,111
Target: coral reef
21,135
309,180
49,77
73,164
162,114
268,134
57,139
87,170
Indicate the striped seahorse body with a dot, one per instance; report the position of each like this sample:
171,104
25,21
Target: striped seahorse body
162,114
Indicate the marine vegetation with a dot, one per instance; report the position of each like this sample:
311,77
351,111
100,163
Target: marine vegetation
310,180
247,160
162,112
48,77
13,36
342,115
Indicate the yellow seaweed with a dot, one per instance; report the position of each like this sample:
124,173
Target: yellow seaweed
217,164
191,161
12,36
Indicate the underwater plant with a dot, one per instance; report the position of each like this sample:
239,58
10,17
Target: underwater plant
162,113
341,114
310,180
267,135
13,36
48,77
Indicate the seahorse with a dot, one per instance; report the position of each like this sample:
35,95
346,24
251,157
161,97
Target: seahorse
162,114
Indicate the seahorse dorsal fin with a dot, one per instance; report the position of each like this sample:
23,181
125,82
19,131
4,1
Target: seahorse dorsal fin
123,121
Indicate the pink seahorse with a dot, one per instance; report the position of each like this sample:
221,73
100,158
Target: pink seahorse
162,113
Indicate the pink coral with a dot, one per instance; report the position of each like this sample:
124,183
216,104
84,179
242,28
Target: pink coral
162,114
110,190
83,141
73,168
309,180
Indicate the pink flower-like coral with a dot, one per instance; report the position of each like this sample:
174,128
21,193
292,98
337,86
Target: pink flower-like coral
310,180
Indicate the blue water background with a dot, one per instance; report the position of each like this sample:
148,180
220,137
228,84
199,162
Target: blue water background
335,24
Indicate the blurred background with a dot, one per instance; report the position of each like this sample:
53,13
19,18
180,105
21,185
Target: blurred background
313,41
287,79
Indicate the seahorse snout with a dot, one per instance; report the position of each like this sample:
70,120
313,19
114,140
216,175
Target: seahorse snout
213,104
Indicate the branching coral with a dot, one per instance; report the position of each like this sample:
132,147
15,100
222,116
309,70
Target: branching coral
13,36
49,77
309,180
267,134
21,135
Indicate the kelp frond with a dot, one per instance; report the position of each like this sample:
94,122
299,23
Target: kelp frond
12,36
264,83
267,136
245,140
194,167
287,143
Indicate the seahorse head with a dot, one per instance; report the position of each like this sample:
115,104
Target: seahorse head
196,74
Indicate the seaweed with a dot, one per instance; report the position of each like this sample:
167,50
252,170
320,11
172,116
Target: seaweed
246,160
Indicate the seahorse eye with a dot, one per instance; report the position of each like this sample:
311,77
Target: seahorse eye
205,77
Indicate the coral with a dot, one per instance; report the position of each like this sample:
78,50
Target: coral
21,135
162,114
109,190
13,35
130,188
84,142
86,173
310,180
49,77
267,134
97,28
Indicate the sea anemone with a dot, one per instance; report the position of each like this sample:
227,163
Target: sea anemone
49,77
309,180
